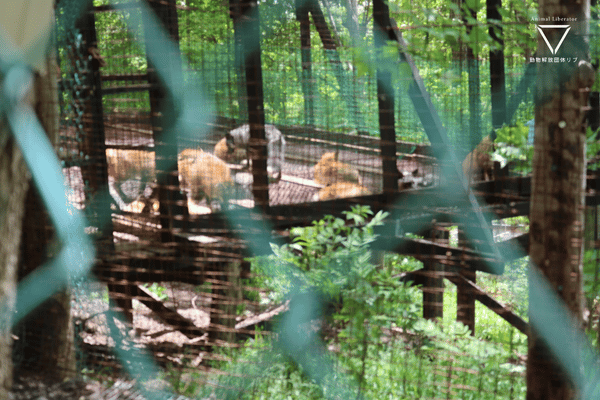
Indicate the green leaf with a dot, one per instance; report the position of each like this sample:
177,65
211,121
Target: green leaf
472,4
477,35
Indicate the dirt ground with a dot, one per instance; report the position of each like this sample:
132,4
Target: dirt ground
89,308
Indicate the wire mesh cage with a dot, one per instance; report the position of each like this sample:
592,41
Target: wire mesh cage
279,194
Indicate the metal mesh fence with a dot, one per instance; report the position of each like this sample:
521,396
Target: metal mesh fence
267,223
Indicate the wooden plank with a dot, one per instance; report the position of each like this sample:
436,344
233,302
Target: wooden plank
418,277
150,271
286,216
168,316
111,8
358,143
124,77
301,181
433,289
494,305
425,250
147,132
261,318
143,87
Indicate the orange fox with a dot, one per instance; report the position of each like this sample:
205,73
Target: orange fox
204,176
235,156
329,171
478,164
131,176
340,190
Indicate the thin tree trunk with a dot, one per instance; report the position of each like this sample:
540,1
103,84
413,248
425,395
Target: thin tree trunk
13,187
557,200
45,337
14,184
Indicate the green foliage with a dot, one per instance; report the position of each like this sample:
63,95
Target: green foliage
441,30
334,251
594,48
209,24
105,296
334,258
511,289
158,290
515,135
435,31
205,287
257,372
592,148
332,255
511,147
591,279
182,381
405,367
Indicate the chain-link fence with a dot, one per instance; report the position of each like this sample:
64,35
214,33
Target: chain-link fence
270,201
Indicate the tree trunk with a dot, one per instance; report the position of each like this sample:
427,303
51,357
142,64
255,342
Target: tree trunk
14,184
45,342
557,199
13,187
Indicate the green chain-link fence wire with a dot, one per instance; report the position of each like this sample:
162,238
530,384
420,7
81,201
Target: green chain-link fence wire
547,312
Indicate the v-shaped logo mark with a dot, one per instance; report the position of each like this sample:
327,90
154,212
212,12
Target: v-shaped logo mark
554,50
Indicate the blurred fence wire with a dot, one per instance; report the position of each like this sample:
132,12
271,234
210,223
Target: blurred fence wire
192,111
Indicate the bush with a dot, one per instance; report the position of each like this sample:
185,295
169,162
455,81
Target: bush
377,344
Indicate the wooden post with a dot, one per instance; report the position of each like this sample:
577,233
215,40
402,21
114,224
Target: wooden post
305,47
382,31
226,295
474,84
594,113
465,297
433,289
44,344
13,188
163,112
95,169
497,77
248,21
234,13
46,335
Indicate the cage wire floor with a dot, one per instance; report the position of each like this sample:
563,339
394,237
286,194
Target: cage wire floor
297,185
